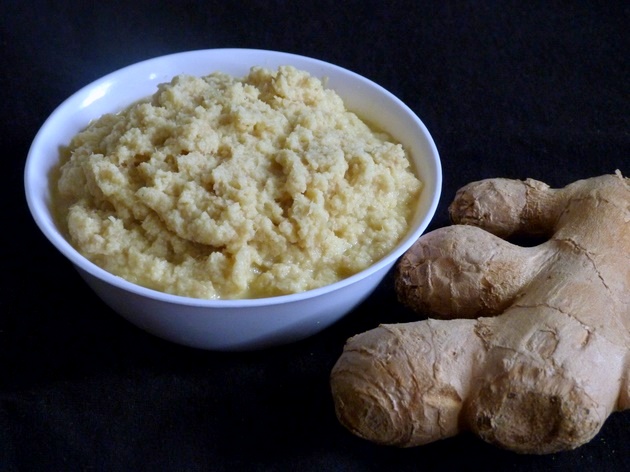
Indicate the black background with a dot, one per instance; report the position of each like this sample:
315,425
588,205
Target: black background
507,89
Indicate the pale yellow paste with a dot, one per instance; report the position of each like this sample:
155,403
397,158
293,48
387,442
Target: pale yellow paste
223,187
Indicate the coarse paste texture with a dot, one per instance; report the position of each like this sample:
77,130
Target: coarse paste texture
539,355
224,187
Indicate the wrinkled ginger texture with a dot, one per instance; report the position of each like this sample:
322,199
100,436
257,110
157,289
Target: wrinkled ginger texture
526,347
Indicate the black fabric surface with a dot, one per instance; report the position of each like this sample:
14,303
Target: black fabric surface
507,89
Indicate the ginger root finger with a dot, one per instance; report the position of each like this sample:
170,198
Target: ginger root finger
451,276
506,207
385,395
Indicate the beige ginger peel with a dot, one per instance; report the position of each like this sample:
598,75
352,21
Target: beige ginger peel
527,347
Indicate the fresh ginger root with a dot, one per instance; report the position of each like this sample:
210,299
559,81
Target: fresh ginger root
539,355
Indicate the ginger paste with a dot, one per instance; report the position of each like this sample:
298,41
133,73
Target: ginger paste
223,187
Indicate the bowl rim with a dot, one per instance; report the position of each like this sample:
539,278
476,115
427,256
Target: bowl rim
79,261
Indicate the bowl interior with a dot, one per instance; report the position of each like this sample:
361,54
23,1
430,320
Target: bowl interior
118,89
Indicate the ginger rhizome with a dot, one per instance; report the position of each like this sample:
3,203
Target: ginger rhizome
527,347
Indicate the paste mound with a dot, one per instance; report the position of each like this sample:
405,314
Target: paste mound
223,187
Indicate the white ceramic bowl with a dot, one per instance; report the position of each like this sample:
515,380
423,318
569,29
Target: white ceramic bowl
228,324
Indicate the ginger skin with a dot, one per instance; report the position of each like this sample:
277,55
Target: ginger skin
531,350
